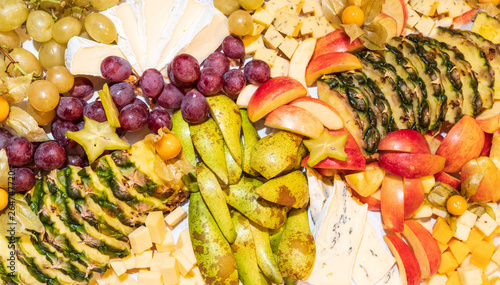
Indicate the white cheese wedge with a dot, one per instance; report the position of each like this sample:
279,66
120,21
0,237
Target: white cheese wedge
84,57
391,278
316,193
372,261
338,234
138,6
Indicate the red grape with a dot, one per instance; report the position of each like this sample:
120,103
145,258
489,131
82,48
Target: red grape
50,155
122,94
151,82
234,82
19,151
82,87
95,111
233,47
185,68
194,107
59,129
5,135
170,97
210,81
69,108
133,117
218,61
176,81
159,118
115,68
75,160
257,71
23,179
140,103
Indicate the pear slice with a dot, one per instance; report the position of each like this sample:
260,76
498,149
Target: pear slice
233,168
181,130
250,138
289,190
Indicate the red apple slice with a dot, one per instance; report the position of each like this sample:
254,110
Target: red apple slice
325,172
434,141
409,269
336,41
368,181
392,202
411,165
397,10
444,177
488,138
489,120
389,23
324,112
488,190
330,63
300,60
465,19
245,95
296,120
372,201
404,141
424,246
414,195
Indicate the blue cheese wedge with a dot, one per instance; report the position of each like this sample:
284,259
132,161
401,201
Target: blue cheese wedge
391,278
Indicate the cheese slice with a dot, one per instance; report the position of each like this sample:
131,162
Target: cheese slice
84,57
391,278
316,192
338,234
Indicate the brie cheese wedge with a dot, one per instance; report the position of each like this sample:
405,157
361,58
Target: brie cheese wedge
316,193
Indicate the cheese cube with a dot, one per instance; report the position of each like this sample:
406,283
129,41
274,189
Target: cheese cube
129,261
140,240
462,232
491,268
167,245
423,7
263,17
183,238
273,38
144,259
425,25
188,280
184,264
280,67
252,43
439,212
448,263
437,279
118,266
486,224
458,249
197,275
188,251
266,55
308,25
289,46
425,211
157,260
470,275
475,237
323,28
257,29
312,6
149,278
274,5
156,225
445,22
170,271
175,217
288,24
482,254
433,9
297,5
496,256
453,279
426,223
442,231
428,182
442,246
468,219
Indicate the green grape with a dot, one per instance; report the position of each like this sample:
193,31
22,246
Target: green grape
12,14
51,54
85,35
227,6
51,6
26,61
81,3
250,4
100,28
42,118
61,77
65,29
43,95
103,4
10,39
39,25
240,23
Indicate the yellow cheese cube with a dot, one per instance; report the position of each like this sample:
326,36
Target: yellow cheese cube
475,237
458,249
437,279
149,278
482,254
118,266
448,263
462,232
156,225
496,256
129,261
425,25
425,211
266,55
140,240
167,245
157,260
323,28
442,246
252,43
257,29
426,223
491,268
288,24
184,264
440,213
272,6
286,10
197,275
144,259
273,38
442,231
470,275
454,279
263,17
188,280
484,279
413,17
468,219
312,6
183,238
297,5
289,46
170,271
308,25
188,251
175,217
280,67
486,224
433,9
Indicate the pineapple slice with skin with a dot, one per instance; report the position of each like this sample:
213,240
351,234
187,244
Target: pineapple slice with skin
487,26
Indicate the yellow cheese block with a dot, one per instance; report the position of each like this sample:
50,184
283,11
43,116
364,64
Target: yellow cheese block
272,6
145,277
442,246
257,29
183,238
157,260
288,24
167,244
308,25
183,262
448,263
170,271
118,266
130,261
475,237
454,279
140,240
458,249
470,275
263,17
267,55
188,251
322,28
144,259
288,46
442,231
175,217
496,256
481,255
156,225
273,38
280,67
252,43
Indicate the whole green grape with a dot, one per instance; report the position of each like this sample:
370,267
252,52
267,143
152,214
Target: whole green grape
26,61
50,6
10,39
103,4
12,14
250,4
100,28
43,95
80,3
65,29
39,25
240,23
51,54
227,6
61,77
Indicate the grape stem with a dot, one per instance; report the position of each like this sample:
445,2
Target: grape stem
12,61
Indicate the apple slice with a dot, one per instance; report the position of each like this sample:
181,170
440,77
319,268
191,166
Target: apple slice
336,41
414,195
366,182
324,112
424,246
296,120
273,93
325,172
409,269
300,60
488,139
404,141
495,148
444,177
245,95
372,201
465,19
489,120
397,10
489,185
434,141
390,25
411,165
392,202
329,63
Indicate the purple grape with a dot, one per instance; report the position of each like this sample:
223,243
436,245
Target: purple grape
170,97
23,179
257,71
50,155
233,47
151,83
82,87
122,94
177,82
159,118
133,117
210,81
140,103
115,68
194,107
75,160
185,68
217,60
95,111
5,135
80,125
19,151
234,82
69,108
59,129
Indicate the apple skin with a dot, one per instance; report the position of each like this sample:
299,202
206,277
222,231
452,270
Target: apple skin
273,93
296,120
489,120
324,112
404,141
488,138
389,23
397,10
414,194
329,63
495,148
392,202
366,182
411,165
444,177
425,247
464,19
434,141
489,187
372,201
409,269
464,142
336,41
325,172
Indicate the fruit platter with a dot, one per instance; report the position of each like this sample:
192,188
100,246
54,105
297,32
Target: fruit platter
312,142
